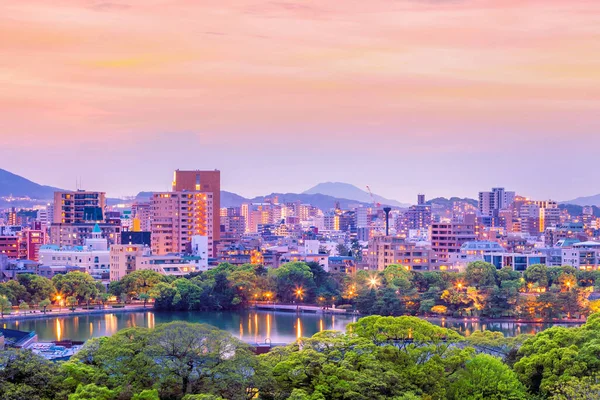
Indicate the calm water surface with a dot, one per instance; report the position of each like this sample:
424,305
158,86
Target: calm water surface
250,326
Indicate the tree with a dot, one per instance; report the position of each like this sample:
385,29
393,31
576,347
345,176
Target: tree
38,287
357,249
76,284
14,292
44,304
142,281
72,302
121,362
5,305
294,282
92,392
342,250
537,275
586,388
200,357
558,354
144,297
24,375
23,307
480,274
147,395
398,277
439,310
486,377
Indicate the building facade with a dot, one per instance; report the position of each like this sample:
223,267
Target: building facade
177,217
202,181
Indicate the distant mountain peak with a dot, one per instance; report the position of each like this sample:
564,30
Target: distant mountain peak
351,192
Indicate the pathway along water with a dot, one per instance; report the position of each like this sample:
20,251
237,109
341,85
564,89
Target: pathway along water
250,326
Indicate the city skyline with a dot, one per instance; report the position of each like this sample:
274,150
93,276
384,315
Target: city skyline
435,97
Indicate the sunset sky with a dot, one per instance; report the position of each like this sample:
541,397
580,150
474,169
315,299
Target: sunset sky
445,97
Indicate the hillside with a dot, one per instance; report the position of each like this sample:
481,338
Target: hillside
17,186
448,202
593,200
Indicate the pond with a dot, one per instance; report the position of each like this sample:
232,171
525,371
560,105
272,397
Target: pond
248,325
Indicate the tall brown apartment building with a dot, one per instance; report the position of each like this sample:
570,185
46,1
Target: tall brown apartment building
202,181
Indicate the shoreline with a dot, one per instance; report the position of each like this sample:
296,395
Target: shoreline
67,313
138,308
573,321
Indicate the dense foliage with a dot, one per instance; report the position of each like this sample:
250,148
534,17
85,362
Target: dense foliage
482,290
377,358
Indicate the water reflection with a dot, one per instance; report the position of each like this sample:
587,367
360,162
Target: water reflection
150,321
298,328
58,330
250,326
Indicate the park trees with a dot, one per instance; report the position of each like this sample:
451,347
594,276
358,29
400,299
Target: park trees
24,375
556,355
481,274
294,282
76,284
201,359
38,287
44,304
139,282
14,292
486,377
536,276
5,305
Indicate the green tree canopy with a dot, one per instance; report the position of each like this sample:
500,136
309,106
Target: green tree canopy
486,377
77,284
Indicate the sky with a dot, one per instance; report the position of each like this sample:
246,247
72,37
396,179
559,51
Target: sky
442,97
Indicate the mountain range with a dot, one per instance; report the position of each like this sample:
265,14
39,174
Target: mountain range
593,200
324,195
342,193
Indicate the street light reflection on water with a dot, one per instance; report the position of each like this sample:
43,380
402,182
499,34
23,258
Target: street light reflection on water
249,326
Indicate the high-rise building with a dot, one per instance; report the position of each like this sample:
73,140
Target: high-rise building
491,202
177,217
12,216
418,217
78,207
142,211
202,181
